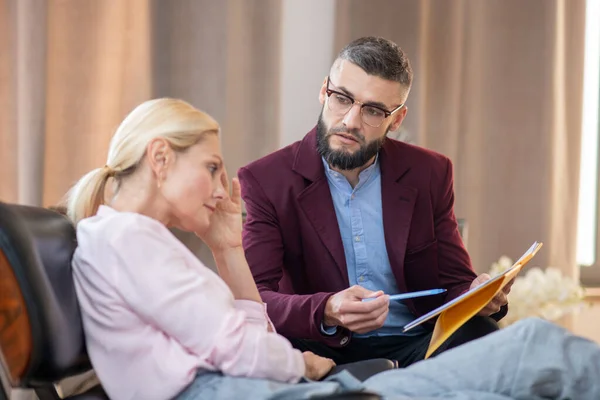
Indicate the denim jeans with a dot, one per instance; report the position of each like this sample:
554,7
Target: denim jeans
530,360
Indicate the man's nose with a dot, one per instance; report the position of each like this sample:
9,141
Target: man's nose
353,119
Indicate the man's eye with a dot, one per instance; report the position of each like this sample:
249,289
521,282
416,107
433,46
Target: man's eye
375,112
342,99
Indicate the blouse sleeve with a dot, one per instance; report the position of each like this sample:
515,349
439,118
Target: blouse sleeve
256,313
191,305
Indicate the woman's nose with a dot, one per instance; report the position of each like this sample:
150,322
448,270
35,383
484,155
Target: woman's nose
220,192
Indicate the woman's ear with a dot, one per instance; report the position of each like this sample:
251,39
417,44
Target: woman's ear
159,155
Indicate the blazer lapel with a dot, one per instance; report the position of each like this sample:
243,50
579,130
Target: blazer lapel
316,201
398,202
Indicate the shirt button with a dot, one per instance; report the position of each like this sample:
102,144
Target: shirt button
352,197
357,238
361,278
344,340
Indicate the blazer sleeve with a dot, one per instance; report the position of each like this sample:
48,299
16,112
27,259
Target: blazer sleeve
294,316
455,268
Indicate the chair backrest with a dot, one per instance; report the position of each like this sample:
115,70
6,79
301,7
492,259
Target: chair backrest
41,334
5,388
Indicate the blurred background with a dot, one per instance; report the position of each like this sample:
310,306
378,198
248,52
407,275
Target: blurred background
508,89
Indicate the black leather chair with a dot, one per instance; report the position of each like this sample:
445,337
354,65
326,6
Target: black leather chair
41,336
4,386
362,370
41,333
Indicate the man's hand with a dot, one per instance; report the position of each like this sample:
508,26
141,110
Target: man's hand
316,366
347,309
498,301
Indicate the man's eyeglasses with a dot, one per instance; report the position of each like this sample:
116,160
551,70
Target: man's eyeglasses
371,115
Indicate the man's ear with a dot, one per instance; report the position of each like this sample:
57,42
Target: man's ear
323,92
398,118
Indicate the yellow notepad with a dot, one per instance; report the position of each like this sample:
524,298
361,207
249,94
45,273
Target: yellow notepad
455,313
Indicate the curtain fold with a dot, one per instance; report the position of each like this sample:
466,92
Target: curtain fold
71,70
98,69
8,108
498,88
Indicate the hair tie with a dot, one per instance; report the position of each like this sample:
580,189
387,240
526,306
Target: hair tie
109,171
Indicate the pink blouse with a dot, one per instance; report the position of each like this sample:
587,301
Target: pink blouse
154,315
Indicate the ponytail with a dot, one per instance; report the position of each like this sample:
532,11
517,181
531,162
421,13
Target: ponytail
87,195
174,120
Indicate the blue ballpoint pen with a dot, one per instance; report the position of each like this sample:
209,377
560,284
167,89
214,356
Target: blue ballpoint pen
410,295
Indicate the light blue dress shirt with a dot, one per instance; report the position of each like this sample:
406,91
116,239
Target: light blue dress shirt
360,219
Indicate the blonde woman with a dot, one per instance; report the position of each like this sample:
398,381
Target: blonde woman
160,325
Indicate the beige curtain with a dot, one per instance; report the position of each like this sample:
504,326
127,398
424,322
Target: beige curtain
70,70
498,89
8,138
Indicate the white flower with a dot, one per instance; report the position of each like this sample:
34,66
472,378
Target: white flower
500,266
543,293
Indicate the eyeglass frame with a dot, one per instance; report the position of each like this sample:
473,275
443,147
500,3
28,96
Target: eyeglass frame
387,113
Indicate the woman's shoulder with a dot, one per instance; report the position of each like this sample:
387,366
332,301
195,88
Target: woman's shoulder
112,226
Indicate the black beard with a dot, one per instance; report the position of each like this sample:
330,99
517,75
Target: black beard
341,159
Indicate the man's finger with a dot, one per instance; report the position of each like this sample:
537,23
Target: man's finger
508,286
480,279
363,293
364,307
364,317
490,309
367,325
362,320
497,303
501,298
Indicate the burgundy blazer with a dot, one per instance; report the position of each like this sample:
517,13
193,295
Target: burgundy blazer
294,247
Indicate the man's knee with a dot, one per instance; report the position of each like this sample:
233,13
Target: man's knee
473,329
479,326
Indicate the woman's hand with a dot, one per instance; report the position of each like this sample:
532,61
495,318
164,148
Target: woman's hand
225,230
316,366
224,237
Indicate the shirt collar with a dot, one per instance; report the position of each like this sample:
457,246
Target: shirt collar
104,209
363,177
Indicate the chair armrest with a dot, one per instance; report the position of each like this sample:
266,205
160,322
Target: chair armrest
362,370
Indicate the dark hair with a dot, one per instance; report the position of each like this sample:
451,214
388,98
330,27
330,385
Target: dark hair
379,57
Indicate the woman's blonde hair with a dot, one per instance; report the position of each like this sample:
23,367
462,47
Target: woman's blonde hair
174,120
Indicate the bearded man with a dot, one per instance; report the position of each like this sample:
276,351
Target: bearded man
348,214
